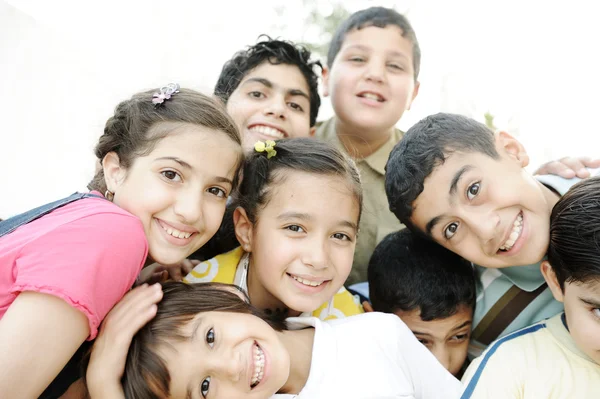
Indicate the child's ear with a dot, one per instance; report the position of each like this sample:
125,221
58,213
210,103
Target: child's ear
325,75
243,228
114,174
367,307
312,131
550,277
507,144
414,94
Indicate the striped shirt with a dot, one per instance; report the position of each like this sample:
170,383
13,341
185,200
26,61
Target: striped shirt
540,361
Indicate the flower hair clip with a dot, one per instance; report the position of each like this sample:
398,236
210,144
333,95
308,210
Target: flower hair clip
165,93
267,147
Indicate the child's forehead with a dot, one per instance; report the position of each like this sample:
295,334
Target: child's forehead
374,38
462,317
281,74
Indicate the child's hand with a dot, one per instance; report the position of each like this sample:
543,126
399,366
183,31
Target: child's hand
569,167
158,273
107,361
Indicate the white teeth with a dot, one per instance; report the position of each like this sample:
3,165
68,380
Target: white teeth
514,234
372,96
307,282
259,366
176,233
267,131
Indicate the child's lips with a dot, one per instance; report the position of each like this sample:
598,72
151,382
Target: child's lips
372,95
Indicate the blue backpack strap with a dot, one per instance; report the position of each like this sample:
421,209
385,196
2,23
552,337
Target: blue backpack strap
9,225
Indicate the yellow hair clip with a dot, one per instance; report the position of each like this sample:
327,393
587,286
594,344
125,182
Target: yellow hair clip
266,146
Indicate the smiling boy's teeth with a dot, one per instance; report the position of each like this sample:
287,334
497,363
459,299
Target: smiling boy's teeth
176,233
307,282
267,131
372,96
514,234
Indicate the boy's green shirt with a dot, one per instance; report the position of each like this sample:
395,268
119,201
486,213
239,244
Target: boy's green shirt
376,221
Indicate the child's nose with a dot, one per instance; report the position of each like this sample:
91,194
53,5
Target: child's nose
189,206
276,108
316,255
375,72
231,367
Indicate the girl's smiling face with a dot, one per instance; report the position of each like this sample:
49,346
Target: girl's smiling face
178,190
226,355
302,244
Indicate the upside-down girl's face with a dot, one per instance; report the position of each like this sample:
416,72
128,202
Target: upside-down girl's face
178,190
227,355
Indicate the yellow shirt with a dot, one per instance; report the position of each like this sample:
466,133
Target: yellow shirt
376,221
228,268
537,362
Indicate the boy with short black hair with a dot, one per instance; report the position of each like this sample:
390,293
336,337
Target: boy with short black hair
271,91
559,357
372,69
430,288
453,180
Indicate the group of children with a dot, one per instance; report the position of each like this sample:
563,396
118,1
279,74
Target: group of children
267,216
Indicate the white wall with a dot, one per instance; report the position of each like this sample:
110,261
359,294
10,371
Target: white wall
65,64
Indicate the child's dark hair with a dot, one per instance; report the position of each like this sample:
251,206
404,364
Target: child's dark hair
298,155
379,17
146,374
407,272
137,125
425,146
574,250
275,52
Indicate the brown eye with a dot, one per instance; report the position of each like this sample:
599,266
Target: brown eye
205,386
171,175
473,190
210,337
450,230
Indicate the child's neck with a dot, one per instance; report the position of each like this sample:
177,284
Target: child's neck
357,144
299,344
262,299
551,196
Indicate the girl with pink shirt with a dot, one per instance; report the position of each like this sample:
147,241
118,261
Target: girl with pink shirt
170,159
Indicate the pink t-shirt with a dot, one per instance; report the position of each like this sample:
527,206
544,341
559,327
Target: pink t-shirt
88,253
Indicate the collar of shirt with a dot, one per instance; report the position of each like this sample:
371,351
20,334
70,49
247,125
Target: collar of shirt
376,160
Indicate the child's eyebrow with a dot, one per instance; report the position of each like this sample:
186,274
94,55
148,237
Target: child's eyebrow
294,215
196,327
590,302
421,333
457,176
179,161
453,189
348,223
466,323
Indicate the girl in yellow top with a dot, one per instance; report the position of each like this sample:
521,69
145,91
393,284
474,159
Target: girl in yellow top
296,219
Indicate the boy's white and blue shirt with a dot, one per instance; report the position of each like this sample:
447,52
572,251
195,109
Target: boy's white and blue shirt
539,361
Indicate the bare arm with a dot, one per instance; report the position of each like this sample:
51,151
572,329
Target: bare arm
38,335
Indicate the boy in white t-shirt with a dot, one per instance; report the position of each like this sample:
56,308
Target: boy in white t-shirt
558,357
